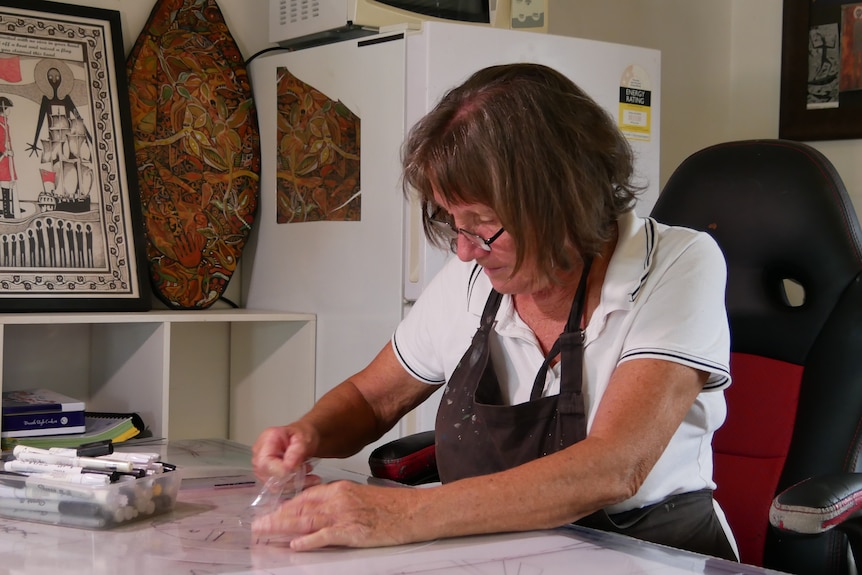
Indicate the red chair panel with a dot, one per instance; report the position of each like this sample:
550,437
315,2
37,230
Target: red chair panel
761,403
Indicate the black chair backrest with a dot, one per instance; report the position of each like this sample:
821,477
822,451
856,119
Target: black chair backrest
791,239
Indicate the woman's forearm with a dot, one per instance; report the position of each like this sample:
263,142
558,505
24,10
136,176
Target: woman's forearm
343,421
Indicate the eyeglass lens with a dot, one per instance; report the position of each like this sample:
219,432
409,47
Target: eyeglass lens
447,225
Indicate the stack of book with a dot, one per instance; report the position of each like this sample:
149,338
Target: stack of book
45,418
37,412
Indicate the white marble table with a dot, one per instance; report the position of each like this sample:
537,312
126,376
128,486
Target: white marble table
202,535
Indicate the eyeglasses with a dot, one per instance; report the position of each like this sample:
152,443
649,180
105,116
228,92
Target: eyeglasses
443,222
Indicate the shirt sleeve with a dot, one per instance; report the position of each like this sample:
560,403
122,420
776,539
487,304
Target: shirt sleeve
683,317
436,332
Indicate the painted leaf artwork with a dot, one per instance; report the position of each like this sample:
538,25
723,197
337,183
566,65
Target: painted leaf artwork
318,155
197,150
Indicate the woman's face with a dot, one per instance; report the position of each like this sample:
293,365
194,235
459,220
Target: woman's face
498,263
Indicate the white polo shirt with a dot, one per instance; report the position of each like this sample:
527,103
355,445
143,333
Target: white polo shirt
663,298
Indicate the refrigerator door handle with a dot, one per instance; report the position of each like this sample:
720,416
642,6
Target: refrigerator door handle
422,259
414,241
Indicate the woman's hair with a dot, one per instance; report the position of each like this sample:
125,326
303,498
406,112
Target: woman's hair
525,141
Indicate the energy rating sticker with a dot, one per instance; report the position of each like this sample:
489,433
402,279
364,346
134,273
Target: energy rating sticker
635,118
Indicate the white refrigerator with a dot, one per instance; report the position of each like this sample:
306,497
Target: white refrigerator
359,277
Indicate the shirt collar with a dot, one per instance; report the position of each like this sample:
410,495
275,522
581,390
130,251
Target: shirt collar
627,271
631,261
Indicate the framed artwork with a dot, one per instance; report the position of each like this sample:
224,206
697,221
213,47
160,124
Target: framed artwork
821,70
71,232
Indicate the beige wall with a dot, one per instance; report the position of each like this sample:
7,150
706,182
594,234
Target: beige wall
720,63
721,70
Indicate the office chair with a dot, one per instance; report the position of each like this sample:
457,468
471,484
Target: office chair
791,239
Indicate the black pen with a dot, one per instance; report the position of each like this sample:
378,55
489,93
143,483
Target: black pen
95,448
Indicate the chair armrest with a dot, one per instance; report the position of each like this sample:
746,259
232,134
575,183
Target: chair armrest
410,460
818,504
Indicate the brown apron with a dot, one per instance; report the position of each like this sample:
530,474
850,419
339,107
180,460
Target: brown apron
477,434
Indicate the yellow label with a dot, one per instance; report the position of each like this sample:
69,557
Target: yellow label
635,116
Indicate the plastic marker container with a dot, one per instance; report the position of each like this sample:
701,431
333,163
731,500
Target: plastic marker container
44,499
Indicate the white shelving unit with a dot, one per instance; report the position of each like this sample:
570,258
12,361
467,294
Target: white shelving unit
189,374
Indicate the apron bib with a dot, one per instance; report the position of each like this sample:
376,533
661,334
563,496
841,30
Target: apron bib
477,434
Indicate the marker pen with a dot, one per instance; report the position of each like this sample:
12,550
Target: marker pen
94,448
35,467
56,518
154,468
66,507
92,479
36,487
19,449
65,451
132,456
77,475
83,451
31,493
74,461
12,491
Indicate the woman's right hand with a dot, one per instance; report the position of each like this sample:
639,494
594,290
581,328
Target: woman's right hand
279,451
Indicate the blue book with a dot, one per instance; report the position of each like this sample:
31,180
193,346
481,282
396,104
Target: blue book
38,401
45,423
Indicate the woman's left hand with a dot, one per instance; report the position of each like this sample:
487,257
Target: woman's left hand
341,514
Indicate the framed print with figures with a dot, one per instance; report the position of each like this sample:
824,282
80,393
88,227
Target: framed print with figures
70,225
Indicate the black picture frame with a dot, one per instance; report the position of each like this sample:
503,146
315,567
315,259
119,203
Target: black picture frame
71,230
819,101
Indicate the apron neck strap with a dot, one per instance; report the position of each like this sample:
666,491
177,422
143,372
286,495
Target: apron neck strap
576,313
573,325
491,307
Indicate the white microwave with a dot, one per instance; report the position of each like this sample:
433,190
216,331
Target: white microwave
294,23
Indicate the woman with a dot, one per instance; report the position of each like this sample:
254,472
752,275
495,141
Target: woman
582,347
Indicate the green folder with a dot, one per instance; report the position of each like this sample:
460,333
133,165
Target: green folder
117,427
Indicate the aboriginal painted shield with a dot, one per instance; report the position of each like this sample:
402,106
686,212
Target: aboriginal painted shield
197,150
